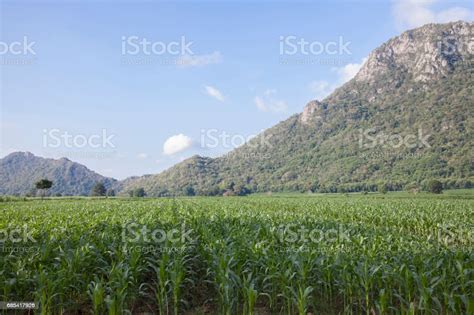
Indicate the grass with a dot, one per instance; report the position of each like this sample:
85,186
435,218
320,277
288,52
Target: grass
284,254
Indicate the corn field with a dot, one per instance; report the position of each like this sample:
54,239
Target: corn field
252,255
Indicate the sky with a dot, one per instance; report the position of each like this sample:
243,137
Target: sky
133,87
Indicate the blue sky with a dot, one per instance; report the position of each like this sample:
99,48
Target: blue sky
143,113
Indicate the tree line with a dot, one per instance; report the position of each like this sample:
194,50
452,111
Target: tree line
99,190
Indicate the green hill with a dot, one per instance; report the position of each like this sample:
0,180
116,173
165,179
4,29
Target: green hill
20,170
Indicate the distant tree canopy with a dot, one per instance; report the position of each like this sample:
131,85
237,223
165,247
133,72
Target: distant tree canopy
98,190
138,192
382,188
110,193
435,186
43,185
189,191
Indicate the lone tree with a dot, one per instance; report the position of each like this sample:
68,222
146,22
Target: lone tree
98,190
110,193
43,185
189,191
139,192
435,186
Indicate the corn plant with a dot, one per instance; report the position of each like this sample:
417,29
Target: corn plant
395,255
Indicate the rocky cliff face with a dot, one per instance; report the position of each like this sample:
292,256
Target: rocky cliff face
415,59
426,53
313,110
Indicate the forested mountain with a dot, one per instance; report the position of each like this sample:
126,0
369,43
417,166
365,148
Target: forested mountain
406,117
20,170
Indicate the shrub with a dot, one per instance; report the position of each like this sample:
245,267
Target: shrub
382,188
98,190
139,192
435,186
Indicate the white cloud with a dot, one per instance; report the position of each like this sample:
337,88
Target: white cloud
322,88
349,71
454,14
142,156
199,60
260,103
176,143
215,93
268,103
415,13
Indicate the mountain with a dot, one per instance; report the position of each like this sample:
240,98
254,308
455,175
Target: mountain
20,170
405,118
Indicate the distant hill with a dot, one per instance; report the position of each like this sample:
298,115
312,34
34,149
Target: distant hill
417,87
20,170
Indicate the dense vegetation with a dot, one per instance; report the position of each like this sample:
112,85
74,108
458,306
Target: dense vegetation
374,254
